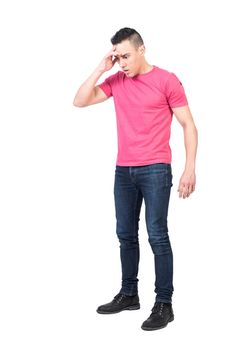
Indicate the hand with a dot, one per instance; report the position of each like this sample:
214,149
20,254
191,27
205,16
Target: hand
187,183
108,62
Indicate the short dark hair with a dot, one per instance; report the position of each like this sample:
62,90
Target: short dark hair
127,34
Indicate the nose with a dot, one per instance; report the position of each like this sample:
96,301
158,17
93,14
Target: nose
122,63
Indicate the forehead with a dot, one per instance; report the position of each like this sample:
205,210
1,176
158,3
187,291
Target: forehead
124,47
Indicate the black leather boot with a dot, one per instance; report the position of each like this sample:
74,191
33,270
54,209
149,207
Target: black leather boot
162,313
119,303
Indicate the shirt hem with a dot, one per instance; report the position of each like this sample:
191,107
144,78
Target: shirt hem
143,163
105,90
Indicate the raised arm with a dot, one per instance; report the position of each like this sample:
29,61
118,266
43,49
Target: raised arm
88,93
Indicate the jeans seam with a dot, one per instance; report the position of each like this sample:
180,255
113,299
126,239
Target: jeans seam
134,224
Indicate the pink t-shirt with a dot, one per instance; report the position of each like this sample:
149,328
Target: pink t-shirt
143,114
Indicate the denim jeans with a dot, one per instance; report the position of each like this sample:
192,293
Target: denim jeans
153,183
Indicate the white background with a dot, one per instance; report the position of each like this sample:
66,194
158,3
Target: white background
59,254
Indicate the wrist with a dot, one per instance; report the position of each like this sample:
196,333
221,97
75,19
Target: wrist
189,168
99,71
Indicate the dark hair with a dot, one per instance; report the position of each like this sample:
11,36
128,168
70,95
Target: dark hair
127,34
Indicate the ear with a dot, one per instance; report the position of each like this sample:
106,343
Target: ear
142,49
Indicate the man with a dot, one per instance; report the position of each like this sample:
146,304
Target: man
145,97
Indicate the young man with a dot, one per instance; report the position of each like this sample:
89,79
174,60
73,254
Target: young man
145,97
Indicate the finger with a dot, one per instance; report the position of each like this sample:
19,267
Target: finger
190,189
110,53
180,187
185,191
114,60
186,195
180,192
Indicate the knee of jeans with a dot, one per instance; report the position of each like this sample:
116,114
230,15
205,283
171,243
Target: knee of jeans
160,244
127,241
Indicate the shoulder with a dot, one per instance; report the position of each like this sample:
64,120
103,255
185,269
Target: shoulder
167,78
164,74
115,78
160,78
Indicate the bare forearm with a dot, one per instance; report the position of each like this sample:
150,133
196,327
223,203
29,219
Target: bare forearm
86,90
191,142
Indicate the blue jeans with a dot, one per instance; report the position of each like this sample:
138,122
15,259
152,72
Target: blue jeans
153,183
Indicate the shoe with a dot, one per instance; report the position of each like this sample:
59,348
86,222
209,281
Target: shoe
120,302
162,313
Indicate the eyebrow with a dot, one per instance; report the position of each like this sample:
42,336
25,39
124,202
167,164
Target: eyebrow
127,53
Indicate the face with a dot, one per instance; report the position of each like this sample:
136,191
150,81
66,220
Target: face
129,58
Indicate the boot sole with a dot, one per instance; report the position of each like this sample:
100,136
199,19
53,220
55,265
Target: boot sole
131,307
155,328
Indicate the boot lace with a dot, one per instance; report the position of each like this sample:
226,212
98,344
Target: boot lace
119,298
158,308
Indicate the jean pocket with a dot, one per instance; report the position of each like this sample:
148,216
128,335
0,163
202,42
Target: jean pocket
159,168
168,179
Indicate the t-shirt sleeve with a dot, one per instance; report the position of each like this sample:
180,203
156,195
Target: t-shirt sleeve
106,86
175,92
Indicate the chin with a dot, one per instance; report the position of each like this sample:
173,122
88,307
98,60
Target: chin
131,74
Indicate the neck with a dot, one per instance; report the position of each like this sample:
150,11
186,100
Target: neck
145,68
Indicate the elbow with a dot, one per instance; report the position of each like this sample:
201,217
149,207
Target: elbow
195,129
189,125
196,133
78,103
192,130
